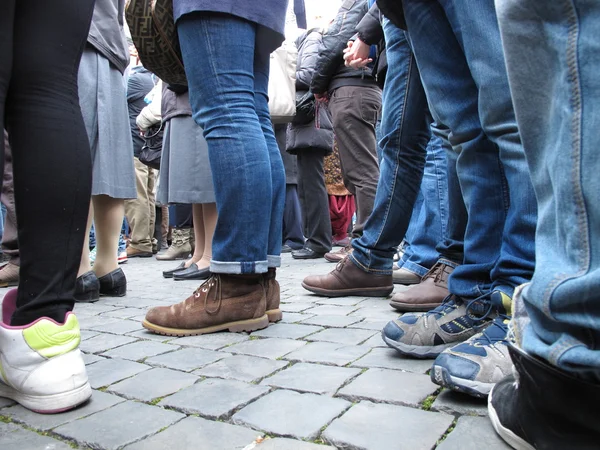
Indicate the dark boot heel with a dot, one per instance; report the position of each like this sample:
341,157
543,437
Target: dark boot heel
113,284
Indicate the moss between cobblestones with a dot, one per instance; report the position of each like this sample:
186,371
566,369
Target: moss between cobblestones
428,402
448,431
5,419
50,434
155,401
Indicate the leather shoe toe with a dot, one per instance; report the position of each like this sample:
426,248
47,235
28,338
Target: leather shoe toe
306,253
192,273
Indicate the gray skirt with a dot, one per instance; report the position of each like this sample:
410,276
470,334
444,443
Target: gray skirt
104,108
185,175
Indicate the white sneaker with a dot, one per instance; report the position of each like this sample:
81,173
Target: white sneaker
41,366
122,257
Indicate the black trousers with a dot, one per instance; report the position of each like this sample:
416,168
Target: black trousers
41,43
314,200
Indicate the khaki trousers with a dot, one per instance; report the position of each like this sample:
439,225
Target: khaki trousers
140,212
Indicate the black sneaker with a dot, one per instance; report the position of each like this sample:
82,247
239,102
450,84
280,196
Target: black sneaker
542,407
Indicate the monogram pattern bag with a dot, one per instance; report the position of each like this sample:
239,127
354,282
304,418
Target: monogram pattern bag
154,34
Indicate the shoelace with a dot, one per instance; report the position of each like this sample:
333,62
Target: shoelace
485,306
496,332
213,281
449,304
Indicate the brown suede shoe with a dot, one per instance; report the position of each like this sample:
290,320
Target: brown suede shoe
340,254
223,302
426,295
348,279
273,296
9,275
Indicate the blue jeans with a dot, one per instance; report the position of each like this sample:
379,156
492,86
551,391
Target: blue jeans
404,136
459,53
553,59
228,76
429,219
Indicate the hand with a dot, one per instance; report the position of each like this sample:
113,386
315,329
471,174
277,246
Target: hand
356,55
322,98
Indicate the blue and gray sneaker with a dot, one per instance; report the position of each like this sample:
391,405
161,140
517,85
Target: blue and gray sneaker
475,366
427,335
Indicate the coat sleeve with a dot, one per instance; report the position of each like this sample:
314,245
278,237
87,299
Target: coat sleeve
334,42
307,60
369,28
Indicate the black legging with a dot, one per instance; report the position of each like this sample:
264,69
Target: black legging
41,43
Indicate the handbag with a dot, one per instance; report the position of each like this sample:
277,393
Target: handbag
282,83
154,35
305,108
152,149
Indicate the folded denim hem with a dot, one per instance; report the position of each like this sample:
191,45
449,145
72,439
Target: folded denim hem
415,268
273,261
245,267
449,262
368,269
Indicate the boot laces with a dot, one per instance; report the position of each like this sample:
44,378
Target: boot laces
211,285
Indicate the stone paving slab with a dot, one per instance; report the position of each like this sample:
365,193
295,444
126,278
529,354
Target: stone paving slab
140,350
295,307
214,398
118,426
213,341
44,422
369,324
327,353
290,444
371,426
198,433
152,384
187,359
288,413
287,331
104,342
267,348
4,402
123,313
121,327
473,433
391,386
149,336
109,371
346,336
242,367
314,378
460,404
332,310
388,358
336,321
291,317
14,437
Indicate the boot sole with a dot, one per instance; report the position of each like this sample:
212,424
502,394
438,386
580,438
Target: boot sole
234,327
274,315
511,438
360,292
416,351
441,376
49,404
411,307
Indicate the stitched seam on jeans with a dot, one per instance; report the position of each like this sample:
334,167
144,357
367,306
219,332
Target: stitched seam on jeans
579,201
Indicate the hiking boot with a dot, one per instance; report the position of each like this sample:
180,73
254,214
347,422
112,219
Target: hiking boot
426,295
42,367
273,296
223,302
348,279
404,276
340,254
9,275
476,365
540,406
427,335
180,247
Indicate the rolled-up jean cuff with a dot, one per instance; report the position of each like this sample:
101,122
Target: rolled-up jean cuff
449,262
415,268
237,268
273,261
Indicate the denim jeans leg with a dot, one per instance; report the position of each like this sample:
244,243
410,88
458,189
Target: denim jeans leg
405,133
553,60
430,223
219,53
458,51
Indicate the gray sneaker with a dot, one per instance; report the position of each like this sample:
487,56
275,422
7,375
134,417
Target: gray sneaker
427,335
475,366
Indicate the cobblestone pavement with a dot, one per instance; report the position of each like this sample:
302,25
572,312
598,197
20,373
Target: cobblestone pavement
320,379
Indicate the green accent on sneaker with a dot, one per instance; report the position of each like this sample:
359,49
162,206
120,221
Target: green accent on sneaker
50,339
507,303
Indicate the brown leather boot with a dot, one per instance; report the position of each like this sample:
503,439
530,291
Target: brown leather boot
273,295
348,279
428,294
223,302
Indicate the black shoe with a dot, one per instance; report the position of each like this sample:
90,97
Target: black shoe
286,249
113,284
544,407
306,253
87,288
169,273
192,273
